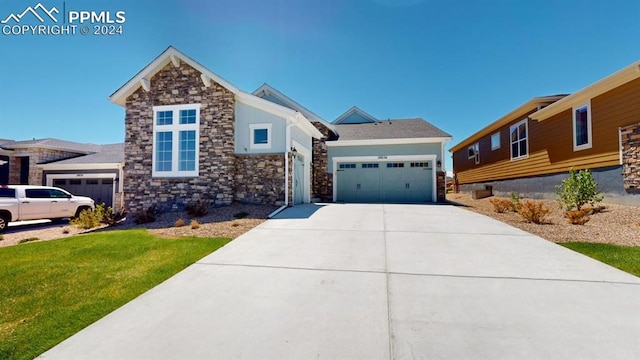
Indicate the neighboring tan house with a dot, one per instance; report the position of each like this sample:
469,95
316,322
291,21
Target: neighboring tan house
191,135
82,169
531,149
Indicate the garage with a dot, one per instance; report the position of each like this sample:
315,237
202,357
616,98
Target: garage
385,181
99,189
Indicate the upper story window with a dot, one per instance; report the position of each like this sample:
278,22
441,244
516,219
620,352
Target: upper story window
495,141
582,127
175,143
519,138
260,136
473,152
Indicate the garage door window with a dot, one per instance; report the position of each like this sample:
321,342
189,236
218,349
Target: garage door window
419,164
370,166
75,182
59,182
347,166
395,165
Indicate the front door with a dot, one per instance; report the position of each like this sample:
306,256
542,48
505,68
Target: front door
298,179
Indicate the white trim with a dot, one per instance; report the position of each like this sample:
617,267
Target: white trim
353,110
146,84
387,158
402,141
589,143
88,166
499,141
175,128
306,198
252,128
526,127
620,144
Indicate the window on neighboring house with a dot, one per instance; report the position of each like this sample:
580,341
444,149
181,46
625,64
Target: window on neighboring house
495,141
518,135
473,152
175,144
582,127
260,136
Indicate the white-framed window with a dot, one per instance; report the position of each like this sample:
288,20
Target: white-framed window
495,141
473,152
582,127
519,139
176,136
260,136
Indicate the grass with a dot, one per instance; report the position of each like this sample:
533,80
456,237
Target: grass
51,290
625,258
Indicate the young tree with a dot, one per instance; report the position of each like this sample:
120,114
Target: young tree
578,190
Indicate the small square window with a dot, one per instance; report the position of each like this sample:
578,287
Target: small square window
495,141
260,136
164,117
188,116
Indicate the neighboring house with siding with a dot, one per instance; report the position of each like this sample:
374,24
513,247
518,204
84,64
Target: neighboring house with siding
190,135
531,149
82,169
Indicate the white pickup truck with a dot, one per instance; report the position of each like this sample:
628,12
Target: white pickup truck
26,202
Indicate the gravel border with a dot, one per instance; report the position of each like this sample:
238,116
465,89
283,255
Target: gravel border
220,222
616,224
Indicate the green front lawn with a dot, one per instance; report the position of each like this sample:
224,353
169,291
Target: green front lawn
625,258
51,290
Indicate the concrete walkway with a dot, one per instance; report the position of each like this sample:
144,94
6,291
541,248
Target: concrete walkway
378,282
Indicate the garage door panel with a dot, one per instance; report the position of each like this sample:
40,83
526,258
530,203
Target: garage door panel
100,190
400,181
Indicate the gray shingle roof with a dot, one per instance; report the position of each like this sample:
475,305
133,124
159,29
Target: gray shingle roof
390,129
54,144
105,154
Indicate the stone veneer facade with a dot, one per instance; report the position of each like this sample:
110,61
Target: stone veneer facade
223,176
441,186
36,156
322,182
630,140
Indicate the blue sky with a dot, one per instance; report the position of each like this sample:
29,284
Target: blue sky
458,64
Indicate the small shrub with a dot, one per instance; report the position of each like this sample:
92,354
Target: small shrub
241,215
515,201
145,216
578,190
195,224
65,231
578,217
88,219
179,222
110,217
22,241
501,205
235,224
533,212
197,209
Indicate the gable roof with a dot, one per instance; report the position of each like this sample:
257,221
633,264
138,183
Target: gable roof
355,111
610,82
509,117
268,92
52,144
172,55
391,129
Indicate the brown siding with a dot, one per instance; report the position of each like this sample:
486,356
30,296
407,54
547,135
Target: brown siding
551,142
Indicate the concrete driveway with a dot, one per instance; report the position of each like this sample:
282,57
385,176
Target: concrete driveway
378,282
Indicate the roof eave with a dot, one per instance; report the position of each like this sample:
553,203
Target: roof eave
169,55
610,82
513,115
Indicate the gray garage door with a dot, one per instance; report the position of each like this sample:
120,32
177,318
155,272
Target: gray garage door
100,190
389,182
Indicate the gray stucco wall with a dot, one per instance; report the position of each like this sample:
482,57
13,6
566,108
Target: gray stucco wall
384,150
609,181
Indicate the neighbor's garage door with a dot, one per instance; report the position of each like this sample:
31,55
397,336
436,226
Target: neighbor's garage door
100,190
400,182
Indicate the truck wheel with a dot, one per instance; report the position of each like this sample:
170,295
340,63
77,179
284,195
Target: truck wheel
81,209
4,222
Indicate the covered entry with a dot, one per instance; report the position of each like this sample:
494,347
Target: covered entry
392,180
